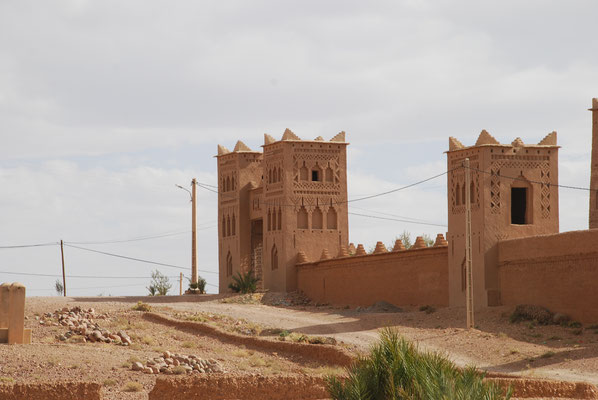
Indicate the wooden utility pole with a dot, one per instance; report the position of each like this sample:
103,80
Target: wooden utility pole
63,274
181,284
193,233
468,268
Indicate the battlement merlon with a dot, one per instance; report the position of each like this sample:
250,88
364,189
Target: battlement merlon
290,136
487,140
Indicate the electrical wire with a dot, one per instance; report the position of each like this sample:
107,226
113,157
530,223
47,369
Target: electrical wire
391,215
345,201
132,239
79,276
397,220
530,181
29,245
137,259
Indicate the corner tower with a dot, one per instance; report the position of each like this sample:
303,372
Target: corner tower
304,204
594,170
513,194
238,172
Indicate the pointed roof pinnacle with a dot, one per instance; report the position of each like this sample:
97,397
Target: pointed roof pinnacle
399,246
325,255
454,144
289,135
380,248
517,142
486,138
339,137
222,150
301,257
440,241
343,252
268,139
549,140
240,146
319,139
360,251
419,243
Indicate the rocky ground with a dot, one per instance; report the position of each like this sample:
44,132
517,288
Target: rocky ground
95,350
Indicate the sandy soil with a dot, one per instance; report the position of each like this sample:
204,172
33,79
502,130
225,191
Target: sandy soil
49,359
524,349
497,345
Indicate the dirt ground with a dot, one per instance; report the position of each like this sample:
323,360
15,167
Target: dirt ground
523,349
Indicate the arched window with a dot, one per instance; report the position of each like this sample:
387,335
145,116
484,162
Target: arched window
269,222
303,173
234,225
316,218
329,175
302,218
279,219
331,219
457,195
227,184
471,193
274,219
270,176
223,226
274,257
227,226
234,184
279,174
229,264
463,194
316,174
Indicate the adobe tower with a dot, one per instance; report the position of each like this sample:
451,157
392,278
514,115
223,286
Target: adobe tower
513,194
290,198
594,170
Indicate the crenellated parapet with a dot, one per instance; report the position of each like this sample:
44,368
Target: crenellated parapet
289,135
380,250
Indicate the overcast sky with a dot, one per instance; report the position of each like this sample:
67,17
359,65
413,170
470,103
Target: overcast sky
106,105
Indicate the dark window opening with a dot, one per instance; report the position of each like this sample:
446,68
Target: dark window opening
518,206
314,176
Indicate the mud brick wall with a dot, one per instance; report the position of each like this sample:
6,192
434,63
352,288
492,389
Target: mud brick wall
557,271
408,277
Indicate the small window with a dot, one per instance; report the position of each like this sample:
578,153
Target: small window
274,256
315,176
279,219
229,264
457,195
518,206
331,219
302,218
234,225
316,218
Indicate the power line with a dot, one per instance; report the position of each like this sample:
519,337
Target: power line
396,219
29,245
136,259
132,239
80,276
204,186
536,182
391,215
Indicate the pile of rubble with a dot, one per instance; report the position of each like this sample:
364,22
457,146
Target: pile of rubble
81,322
170,363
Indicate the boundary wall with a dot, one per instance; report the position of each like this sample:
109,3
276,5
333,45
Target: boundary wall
556,271
408,277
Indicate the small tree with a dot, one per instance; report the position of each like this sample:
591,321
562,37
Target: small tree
58,287
244,283
428,240
160,285
200,284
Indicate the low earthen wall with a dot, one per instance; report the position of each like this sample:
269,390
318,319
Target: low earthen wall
51,391
408,277
557,271
246,388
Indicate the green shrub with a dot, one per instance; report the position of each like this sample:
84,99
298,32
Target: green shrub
141,306
200,284
160,284
396,370
244,283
